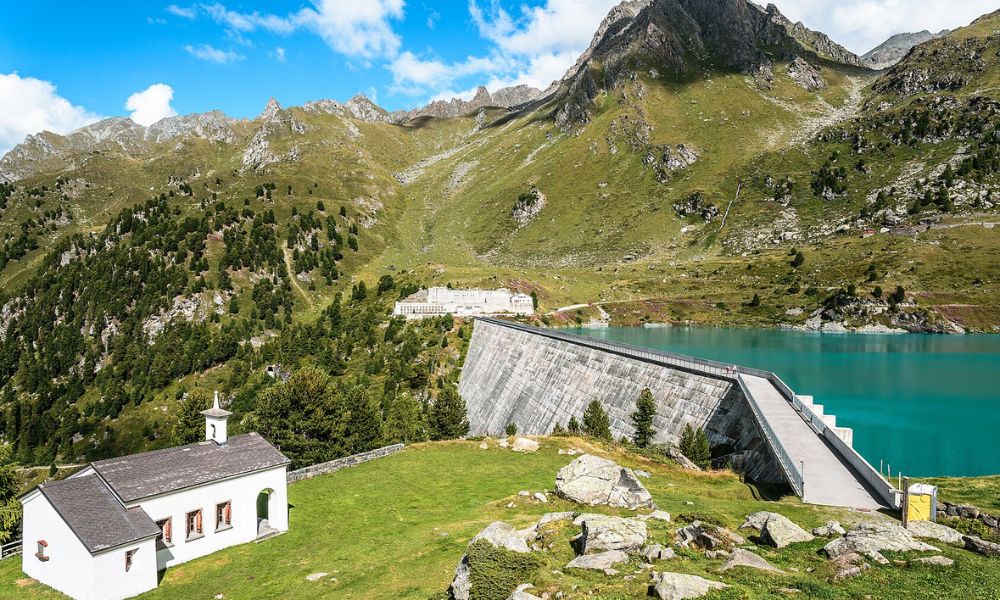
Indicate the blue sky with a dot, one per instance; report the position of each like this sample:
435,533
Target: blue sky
66,63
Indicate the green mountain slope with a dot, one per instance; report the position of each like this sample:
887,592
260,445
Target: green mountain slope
704,162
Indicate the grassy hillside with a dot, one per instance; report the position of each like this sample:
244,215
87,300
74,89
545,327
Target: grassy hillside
396,528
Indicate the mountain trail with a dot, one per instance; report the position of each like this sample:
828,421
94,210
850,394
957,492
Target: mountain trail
833,115
293,279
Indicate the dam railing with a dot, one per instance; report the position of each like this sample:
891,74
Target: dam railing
792,471
885,490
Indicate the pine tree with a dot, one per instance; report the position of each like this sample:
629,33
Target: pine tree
447,415
642,419
573,426
695,446
190,425
364,423
404,421
596,422
10,507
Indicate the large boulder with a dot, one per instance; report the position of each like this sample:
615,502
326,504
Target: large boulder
612,533
707,537
935,531
502,535
598,562
981,546
870,539
679,586
521,593
779,531
461,584
745,558
594,481
524,445
657,552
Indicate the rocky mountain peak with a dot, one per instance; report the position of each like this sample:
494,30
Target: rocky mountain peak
508,97
363,109
271,110
816,41
891,51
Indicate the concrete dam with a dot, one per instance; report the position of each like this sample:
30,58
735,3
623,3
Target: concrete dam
539,378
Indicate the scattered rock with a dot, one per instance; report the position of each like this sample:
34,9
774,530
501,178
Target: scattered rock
936,561
831,529
521,593
596,481
849,565
524,493
524,445
714,554
657,552
779,531
502,535
679,586
870,539
612,533
598,562
935,531
540,497
503,443
656,515
707,537
643,474
981,546
484,446
745,558
550,517
315,576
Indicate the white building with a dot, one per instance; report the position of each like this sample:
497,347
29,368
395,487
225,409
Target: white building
105,532
439,301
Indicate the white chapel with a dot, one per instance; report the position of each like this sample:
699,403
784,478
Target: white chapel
105,532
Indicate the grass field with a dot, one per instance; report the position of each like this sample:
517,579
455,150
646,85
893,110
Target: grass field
396,528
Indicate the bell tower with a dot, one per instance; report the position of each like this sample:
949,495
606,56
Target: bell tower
216,422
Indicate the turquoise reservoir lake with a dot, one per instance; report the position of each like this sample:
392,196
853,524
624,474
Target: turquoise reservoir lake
927,405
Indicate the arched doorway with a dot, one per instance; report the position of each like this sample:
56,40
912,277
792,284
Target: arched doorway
264,528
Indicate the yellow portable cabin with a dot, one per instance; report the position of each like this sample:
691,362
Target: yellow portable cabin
921,502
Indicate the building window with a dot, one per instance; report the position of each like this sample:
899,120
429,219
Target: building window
194,530
42,547
166,537
128,558
224,515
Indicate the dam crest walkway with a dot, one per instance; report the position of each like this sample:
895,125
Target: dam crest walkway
815,455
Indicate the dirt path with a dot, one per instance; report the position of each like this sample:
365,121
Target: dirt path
813,125
293,279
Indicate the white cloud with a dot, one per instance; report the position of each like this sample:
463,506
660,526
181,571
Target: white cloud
543,41
860,25
210,53
412,75
279,54
151,104
356,28
185,13
29,105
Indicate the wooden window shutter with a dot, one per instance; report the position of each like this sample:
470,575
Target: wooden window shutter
228,512
197,522
168,534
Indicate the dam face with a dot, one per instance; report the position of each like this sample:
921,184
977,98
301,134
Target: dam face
538,379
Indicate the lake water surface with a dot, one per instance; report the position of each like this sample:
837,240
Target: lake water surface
929,405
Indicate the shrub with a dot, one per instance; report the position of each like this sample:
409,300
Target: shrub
511,429
496,572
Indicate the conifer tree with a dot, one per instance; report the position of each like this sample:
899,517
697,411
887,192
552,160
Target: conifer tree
190,425
404,421
10,507
364,423
695,446
573,426
642,419
447,415
596,422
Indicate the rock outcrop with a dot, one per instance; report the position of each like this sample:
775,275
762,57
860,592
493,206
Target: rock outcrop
508,97
830,529
981,546
598,562
595,481
502,535
747,559
611,533
870,539
935,531
679,586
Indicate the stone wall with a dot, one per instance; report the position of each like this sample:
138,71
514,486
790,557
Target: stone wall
341,463
947,509
536,381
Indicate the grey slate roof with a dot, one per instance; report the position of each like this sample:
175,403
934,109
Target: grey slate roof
96,517
148,474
